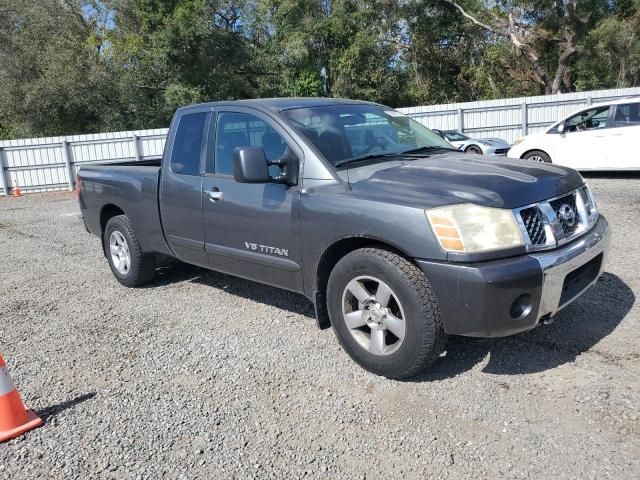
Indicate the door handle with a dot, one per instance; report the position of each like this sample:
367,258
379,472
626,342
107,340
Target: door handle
215,194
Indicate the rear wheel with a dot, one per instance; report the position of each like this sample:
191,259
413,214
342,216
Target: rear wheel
129,264
384,313
537,156
473,149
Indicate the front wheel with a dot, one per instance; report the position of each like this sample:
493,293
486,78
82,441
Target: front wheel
473,149
384,313
537,156
129,264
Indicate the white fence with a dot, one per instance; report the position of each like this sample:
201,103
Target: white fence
45,164
510,118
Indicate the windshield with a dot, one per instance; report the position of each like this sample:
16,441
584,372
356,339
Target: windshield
348,132
455,136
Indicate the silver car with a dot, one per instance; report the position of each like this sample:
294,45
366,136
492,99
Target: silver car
486,146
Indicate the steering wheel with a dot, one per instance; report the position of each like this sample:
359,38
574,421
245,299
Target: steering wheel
380,143
370,148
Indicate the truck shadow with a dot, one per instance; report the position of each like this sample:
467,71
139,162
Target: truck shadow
276,297
577,329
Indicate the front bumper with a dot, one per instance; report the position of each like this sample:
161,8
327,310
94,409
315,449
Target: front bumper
495,150
516,151
503,297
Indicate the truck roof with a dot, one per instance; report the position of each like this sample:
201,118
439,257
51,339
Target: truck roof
279,104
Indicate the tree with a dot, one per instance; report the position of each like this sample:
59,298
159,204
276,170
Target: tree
170,53
442,54
611,54
52,78
548,34
76,66
339,48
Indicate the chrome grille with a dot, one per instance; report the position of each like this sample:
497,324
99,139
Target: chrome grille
558,220
533,223
567,213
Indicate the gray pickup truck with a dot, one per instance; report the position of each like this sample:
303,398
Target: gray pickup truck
397,238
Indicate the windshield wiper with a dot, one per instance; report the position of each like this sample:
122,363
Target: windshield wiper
371,156
368,156
427,149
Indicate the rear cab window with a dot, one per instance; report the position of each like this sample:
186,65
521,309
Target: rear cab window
187,145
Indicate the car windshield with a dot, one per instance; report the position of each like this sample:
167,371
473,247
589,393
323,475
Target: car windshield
347,133
455,137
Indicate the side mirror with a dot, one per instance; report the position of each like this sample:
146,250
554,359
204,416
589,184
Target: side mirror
250,165
561,128
289,167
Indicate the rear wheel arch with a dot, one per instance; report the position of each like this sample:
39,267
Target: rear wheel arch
107,213
330,257
131,266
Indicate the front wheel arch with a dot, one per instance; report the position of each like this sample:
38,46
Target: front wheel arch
473,149
414,319
545,156
330,257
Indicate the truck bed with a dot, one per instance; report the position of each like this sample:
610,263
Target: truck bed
131,187
154,162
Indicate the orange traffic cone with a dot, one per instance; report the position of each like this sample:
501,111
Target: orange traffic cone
14,418
16,188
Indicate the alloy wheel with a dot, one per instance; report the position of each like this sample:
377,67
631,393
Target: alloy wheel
373,314
120,255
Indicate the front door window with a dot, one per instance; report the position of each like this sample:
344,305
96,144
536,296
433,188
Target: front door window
236,130
593,119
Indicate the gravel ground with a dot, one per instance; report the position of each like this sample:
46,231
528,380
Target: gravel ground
202,375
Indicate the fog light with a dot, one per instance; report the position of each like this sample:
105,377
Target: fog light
521,307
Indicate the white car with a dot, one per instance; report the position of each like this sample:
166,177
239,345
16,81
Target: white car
598,137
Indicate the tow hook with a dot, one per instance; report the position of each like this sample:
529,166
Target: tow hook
548,320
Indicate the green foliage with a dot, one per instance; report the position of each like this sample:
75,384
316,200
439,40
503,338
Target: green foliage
612,51
74,66
52,76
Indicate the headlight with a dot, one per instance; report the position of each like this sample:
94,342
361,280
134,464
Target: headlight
590,207
471,228
520,140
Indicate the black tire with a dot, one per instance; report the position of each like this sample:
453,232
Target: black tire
473,149
424,339
534,155
142,267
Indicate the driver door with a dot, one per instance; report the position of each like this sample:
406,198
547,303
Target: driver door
250,230
583,144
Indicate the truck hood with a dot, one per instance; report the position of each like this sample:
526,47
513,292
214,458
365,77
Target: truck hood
451,178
